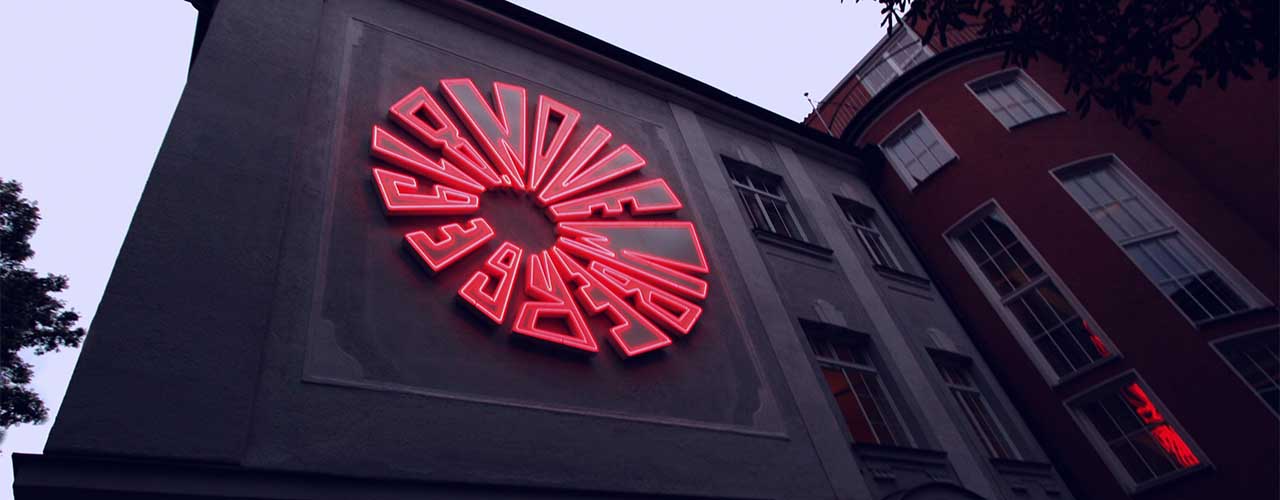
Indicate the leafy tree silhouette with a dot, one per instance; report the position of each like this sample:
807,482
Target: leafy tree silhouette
1116,54
30,317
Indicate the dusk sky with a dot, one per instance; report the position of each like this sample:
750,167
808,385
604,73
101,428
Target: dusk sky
94,84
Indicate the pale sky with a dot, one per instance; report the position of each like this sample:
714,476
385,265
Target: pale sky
92,86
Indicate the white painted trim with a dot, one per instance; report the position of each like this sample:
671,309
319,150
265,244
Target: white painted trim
994,298
908,92
1045,99
906,176
1254,298
1104,450
1217,348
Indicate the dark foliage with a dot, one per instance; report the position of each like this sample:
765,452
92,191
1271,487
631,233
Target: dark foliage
30,317
1117,54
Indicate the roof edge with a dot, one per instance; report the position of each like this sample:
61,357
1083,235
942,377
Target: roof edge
674,79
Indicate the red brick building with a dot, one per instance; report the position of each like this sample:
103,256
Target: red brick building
1123,288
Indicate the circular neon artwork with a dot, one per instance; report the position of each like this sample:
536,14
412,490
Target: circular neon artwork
617,252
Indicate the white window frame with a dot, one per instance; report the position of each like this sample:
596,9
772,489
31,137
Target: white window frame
1103,448
861,232
903,128
1217,347
757,193
1037,92
873,369
881,55
976,388
1254,299
997,301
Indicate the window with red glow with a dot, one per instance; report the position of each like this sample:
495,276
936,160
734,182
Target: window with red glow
864,404
1136,432
1034,301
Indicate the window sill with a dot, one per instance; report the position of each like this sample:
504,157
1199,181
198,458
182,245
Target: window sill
902,276
804,247
1063,380
1011,128
1214,322
1020,466
932,175
900,453
1171,477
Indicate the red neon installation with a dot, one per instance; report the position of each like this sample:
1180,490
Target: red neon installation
630,334
482,292
645,198
576,176
501,135
665,308
400,196
389,148
543,158
641,276
553,301
660,252
455,243
444,135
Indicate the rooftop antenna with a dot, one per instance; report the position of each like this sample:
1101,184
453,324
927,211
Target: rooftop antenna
820,119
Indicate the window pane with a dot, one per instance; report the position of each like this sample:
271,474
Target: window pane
1101,421
1141,439
1024,260
1170,260
1055,358
1132,463
1256,358
1047,318
753,210
854,420
917,151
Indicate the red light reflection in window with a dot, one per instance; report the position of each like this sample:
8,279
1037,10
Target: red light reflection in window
1165,435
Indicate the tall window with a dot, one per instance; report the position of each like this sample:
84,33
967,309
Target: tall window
766,204
902,52
1170,259
854,383
1134,432
1052,323
916,150
865,224
1013,97
981,419
1256,358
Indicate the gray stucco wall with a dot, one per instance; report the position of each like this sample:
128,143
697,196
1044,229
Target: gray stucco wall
263,315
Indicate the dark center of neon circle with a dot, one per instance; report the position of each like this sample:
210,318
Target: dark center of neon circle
517,218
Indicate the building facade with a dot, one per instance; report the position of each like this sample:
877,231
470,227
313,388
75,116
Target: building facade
358,272
1123,288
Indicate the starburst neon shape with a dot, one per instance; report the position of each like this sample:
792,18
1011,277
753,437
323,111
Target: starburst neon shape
614,254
